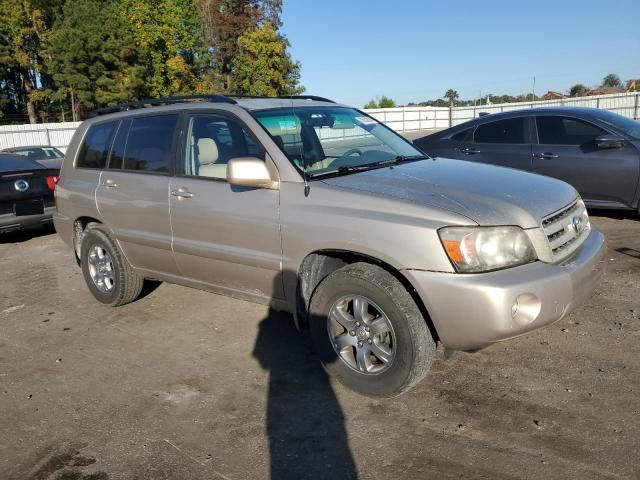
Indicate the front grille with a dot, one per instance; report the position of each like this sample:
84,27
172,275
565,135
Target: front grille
566,230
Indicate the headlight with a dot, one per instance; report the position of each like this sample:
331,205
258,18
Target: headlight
481,249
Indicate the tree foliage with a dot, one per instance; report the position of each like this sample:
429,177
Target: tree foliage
452,96
611,80
262,65
95,60
578,90
58,56
224,22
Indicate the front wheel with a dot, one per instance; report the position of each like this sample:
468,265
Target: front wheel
369,332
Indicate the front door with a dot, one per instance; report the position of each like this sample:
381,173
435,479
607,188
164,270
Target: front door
567,150
224,236
133,191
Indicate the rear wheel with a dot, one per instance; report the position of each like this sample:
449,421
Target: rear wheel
369,332
106,271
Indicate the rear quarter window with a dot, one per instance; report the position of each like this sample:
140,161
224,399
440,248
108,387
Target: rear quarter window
95,147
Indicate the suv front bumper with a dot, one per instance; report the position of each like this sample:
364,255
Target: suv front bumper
472,311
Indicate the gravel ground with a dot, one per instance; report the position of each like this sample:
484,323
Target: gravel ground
188,385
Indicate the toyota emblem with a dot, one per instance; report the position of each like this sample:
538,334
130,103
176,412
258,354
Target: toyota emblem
577,223
21,185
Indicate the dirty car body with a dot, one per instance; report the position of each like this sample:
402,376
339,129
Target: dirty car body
480,253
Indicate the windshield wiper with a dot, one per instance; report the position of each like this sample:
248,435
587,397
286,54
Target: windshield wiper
345,169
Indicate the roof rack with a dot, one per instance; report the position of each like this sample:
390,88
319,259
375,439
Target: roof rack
216,98
122,107
286,97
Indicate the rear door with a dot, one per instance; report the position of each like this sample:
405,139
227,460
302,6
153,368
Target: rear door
224,235
133,192
501,142
567,150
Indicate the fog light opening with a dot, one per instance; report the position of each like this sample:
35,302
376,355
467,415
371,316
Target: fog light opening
526,308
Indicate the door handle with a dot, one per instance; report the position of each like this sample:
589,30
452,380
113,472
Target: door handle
108,183
469,151
182,193
545,156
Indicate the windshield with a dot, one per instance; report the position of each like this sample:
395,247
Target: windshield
624,124
323,140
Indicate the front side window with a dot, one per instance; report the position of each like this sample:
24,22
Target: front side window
511,131
566,131
148,144
464,135
95,148
213,140
321,140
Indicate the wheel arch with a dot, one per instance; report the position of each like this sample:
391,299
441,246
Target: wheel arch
80,226
316,266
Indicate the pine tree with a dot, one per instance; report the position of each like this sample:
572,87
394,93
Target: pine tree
263,66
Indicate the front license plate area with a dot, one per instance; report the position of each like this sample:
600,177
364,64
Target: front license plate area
28,207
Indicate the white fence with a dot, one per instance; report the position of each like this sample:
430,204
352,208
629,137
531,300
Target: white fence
400,119
52,134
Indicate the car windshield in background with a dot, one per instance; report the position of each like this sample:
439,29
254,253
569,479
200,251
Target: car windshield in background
38,153
328,140
626,125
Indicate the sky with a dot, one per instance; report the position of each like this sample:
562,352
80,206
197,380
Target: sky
414,50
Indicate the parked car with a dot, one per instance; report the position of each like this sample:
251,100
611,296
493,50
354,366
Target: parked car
48,156
318,209
596,151
26,193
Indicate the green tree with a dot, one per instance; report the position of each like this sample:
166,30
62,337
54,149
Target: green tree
451,95
578,90
263,66
611,80
224,22
24,29
94,56
372,104
169,41
386,102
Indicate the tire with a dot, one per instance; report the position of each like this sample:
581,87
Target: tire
117,283
386,364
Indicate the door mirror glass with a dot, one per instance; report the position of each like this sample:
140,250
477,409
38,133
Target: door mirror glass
609,141
249,172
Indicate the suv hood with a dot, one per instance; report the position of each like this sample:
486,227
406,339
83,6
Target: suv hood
486,194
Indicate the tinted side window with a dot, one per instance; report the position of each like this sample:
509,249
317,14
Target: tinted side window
464,136
148,146
212,141
566,131
95,148
502,131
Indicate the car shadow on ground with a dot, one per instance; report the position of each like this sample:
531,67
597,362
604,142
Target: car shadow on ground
305,423
27,234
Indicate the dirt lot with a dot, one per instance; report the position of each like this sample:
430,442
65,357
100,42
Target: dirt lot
187,385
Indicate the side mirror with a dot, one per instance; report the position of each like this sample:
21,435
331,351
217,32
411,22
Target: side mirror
249,172
609,141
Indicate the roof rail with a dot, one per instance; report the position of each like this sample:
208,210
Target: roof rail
216,98
286,97
121,107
